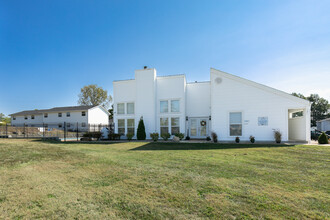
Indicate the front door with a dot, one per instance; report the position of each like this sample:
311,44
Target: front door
198,127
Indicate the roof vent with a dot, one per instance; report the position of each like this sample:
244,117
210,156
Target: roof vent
145,67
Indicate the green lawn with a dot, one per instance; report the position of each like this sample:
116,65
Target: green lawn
163,181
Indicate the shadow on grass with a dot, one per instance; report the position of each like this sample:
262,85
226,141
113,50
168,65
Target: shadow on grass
203,146
74,142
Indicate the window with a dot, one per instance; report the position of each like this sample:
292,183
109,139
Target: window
59,125
163,126
130,126
32,116
14,118
163,106
68,114
120,108
68,125
25,117
175,106
83,124
121,126
235,121
46,115
130,108
175,126
60,115
83,113
297,114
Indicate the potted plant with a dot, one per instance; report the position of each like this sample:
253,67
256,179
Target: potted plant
277,136
129,136
252,139
214,137
237,140
166,136
179,135
154,136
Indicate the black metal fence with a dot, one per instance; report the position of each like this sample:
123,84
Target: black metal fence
64,131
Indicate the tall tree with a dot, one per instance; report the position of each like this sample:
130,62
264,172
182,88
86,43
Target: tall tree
94,95
319,107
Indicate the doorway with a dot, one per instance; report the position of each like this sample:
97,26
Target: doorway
198,127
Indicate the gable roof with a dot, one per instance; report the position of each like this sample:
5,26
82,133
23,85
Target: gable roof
260,86
56,109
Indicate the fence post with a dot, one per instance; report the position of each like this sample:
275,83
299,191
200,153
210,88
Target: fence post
43,131
6,129
24,130
77,130
64,135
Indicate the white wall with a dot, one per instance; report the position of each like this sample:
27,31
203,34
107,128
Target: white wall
20,120
98,115
297,129
234,94
198,99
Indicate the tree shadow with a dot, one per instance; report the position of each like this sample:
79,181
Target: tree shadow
203,146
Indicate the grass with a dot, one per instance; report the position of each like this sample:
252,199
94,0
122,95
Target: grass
139,180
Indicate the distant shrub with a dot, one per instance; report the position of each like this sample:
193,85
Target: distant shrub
214,137
166,136
277,136
208,138
113,136
237,139
323,139
252,139
94,134
129,136
179,135
154,136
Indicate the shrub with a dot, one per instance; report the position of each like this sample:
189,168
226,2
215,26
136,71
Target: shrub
154,136
94,134
214,137
208,138
323,139
277,136
129,136
179,135
113,136
187,138
252,139
237,139
166,136
141,131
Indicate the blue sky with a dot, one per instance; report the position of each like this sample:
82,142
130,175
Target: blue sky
50,49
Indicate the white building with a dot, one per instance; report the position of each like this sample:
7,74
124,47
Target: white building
73,116
228,105
323,125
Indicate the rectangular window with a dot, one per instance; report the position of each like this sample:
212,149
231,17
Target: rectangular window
32,116
46,115
297,114
121,126
25,117
130,126
60,115
175,106
130,108
163,126
68,125
83,113
59,125
120,108
175,126
163,106
68,114
83,124
235,121
14,118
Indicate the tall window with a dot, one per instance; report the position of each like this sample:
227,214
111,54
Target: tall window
130,108
120,108
130,126
68,114
175,106
59,114
163,126
121,126
46,115
175,126
235,120
163,106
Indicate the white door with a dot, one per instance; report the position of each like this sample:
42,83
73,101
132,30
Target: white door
198,127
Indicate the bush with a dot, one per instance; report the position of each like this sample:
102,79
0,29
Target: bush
208,138
113,136
166,136
187,138
129,136
94,134
237,139
154,136
179,135
252,139
323,139
277,136
214,137
141,131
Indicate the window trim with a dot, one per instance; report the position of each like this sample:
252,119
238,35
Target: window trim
168,125
178,126
121,127
127,127
235,124
164,100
